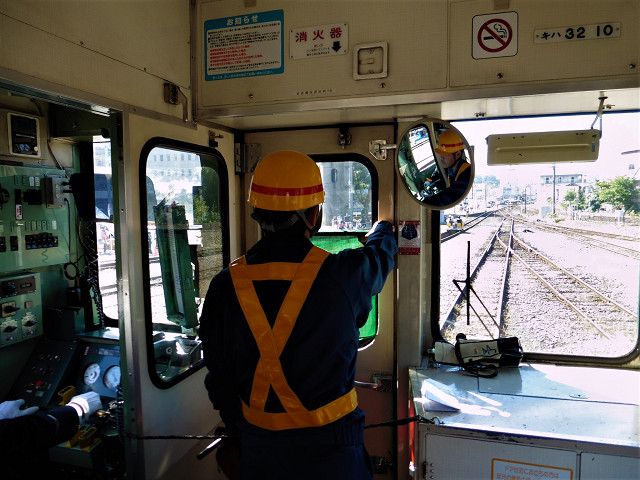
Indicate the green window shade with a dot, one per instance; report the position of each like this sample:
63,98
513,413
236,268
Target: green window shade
334,244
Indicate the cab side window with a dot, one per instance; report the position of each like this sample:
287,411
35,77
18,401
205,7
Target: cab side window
185,234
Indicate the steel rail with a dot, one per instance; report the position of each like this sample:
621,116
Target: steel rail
573,277
588,239
449,234
112,290
450,312
505,275
593,233
558,294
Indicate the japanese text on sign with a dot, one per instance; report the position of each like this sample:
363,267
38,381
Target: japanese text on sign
509,470
409,238
319,40
244,46
577,32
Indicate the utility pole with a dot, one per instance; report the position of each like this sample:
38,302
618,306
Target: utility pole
554,189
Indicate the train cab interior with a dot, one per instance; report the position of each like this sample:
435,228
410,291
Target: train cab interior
506,341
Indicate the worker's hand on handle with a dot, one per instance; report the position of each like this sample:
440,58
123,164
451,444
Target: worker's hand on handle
373,229
85,405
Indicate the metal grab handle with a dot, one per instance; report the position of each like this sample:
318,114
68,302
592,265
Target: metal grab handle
372,386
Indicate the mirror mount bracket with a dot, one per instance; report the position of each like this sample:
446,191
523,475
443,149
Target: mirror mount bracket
378,148
344,136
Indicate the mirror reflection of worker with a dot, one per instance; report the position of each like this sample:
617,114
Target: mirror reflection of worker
451,157
280,333
26,432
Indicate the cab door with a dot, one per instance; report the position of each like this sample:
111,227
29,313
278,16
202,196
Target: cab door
164,403
376,359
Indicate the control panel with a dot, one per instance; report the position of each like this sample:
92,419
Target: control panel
90,363
34,217
42,376
20,308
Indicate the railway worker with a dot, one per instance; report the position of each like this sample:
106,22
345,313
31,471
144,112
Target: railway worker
279,329
450,155
26,433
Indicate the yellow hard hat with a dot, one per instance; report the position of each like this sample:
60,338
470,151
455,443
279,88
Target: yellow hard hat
286,181
449,142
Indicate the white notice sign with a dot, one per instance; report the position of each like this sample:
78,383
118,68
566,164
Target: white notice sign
244,45
319,41
510,470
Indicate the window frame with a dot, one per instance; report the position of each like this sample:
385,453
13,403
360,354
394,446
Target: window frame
375,187
217,162
529,356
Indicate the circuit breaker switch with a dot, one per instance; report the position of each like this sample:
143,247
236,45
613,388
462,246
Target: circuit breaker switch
20,308
8,309
55,191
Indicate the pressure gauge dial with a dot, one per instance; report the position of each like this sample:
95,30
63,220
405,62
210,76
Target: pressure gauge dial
111,377
91,374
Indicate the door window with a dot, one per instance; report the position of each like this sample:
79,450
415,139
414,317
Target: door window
185,236
350,184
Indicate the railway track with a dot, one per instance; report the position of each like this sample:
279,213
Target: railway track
553,308
112,289
449,234
612,242
487,274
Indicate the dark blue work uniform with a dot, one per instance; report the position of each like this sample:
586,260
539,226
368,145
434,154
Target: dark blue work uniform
24,441
318,359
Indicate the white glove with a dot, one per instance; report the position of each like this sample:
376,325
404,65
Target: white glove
86,404
11,409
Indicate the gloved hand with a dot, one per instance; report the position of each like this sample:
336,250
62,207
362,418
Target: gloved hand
85,404
373,229
11,409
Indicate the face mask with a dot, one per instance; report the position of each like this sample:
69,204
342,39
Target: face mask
313,230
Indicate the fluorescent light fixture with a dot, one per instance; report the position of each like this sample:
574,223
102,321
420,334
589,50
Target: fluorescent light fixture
543,147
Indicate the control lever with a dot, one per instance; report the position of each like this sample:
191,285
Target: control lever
67,393
84,437
381,382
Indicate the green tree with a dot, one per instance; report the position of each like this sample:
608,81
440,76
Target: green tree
595,204
206,198
361,181
619,192
200,210
570,197
581,199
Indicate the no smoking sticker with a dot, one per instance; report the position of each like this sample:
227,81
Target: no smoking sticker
495,35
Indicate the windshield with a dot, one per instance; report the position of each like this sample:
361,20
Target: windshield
553,249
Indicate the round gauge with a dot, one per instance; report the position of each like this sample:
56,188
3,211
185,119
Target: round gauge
111,377
91,374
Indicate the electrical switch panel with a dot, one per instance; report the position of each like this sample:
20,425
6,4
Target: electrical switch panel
35,207
20,308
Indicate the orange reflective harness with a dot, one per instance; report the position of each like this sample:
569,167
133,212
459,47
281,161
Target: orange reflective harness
271,343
